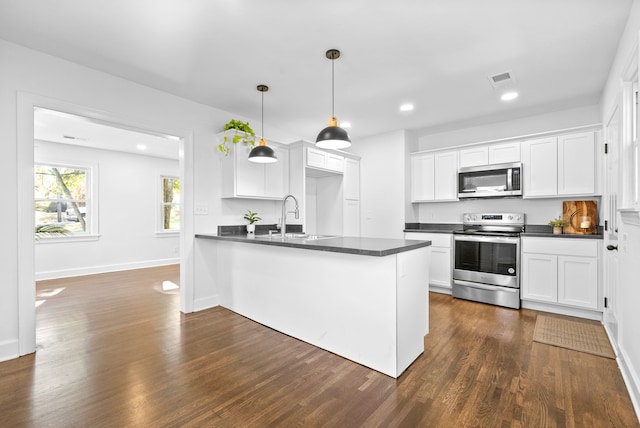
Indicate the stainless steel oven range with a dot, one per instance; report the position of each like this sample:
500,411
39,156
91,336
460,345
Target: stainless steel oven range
486,256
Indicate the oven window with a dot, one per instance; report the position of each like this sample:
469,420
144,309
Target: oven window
488,257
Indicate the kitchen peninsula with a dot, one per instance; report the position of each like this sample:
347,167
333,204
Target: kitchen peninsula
365,299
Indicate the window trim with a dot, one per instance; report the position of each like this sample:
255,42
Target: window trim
160,230
92,232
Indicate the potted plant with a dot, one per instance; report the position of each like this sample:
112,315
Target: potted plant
252,218
236,131
557,224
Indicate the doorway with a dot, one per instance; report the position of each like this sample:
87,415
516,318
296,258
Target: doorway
26,248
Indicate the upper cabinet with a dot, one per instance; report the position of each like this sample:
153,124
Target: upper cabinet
565,165
490,154
324,160
434,176
351,182
244,179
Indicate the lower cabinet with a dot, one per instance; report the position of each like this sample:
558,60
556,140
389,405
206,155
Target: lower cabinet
563,271
440,266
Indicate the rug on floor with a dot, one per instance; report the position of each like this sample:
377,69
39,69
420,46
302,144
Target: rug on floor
576,335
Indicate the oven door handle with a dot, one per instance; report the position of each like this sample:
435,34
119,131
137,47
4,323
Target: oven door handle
485,287
506,239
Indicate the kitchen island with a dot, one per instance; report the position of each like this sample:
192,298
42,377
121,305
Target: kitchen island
365,299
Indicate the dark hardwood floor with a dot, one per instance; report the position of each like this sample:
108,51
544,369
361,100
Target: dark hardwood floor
114,350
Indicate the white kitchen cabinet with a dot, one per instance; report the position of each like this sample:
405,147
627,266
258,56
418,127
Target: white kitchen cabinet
474,156
540,167
440,265
577,164
434,176
422,177
351,183
490,154
561,271
446,176
565,165
244,179
504,153
324,160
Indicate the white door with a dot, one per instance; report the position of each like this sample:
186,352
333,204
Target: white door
610,202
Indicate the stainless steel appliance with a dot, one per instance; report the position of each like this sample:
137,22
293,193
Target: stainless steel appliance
490,181
487,258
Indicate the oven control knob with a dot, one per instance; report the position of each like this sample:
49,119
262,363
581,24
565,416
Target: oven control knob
510,217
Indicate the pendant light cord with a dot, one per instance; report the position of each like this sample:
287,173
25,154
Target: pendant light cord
262,114
333,84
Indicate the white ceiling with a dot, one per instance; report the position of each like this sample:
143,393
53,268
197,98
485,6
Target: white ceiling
436,54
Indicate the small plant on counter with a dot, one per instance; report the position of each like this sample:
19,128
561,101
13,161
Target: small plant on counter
557,222
251,217
236,131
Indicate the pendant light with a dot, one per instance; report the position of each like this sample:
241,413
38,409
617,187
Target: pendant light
262,153
333,137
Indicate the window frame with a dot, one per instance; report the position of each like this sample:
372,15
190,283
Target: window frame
160,230
91,232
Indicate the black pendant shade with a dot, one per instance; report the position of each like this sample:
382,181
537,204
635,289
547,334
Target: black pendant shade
262,153
333,137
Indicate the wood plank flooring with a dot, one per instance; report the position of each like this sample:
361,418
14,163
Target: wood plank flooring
114,350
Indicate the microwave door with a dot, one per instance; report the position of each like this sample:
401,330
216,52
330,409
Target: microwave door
483,182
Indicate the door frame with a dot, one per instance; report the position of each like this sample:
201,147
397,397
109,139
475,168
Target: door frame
26,103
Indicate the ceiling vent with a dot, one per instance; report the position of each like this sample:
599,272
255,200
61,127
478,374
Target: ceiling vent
502,79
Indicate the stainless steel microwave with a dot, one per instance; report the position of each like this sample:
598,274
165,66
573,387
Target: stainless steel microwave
490,181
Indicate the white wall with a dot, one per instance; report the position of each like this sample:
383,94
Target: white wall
382,183
30,78
128,196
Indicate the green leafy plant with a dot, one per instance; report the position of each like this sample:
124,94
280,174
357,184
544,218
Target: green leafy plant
236,131
557,222
252,217
50,230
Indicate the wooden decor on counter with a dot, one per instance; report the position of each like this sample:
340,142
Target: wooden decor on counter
581,217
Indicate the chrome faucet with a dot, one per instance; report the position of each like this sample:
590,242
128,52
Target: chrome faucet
283,219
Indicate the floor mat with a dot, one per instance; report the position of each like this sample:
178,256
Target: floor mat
575,335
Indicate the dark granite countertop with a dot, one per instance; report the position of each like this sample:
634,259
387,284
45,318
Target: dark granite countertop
377,247
530,230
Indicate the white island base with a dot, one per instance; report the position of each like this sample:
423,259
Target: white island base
371,310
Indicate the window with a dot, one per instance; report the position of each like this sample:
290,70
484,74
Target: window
170,207
62,198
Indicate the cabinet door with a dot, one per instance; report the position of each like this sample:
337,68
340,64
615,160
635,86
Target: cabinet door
334,162
474,156
578,281
577,164
249,175
504,153
276,181
351,218
316,158
422,177
540,167
351,179
446,176
440,273
539,277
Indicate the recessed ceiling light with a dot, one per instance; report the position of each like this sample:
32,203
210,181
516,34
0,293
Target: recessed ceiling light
406,107
508,96
141,147
345,124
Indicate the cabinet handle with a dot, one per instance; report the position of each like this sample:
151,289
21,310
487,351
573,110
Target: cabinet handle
612,247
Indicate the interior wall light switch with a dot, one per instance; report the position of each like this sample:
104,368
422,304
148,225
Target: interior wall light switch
201,210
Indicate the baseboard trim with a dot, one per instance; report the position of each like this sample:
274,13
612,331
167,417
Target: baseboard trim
440,289
9,349
631,379
206,303
92,270
562,310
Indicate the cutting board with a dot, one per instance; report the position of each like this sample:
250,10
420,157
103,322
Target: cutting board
578,214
